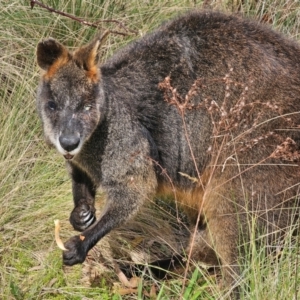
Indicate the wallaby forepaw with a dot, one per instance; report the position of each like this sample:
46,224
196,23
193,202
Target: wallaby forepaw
82,216
76,251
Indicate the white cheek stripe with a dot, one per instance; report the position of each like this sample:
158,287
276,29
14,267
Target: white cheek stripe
48,132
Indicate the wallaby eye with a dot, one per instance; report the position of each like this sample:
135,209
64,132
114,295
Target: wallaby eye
52,105
87,107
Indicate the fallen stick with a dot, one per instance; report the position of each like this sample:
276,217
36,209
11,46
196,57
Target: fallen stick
59,242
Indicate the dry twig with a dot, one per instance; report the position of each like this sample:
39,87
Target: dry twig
59,242
127,31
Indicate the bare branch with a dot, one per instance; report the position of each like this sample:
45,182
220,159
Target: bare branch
84,22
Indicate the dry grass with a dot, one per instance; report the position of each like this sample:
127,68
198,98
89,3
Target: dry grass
34,186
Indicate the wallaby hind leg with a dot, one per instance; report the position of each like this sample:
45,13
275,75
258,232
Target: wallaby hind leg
225,233
201,248
217,245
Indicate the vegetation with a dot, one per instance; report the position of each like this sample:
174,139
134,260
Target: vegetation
34,186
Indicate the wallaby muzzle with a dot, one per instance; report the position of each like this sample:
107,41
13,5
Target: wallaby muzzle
69,142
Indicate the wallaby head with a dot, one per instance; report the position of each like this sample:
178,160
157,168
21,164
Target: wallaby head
69,96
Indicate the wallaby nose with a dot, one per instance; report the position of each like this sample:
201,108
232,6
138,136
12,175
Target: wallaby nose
69,142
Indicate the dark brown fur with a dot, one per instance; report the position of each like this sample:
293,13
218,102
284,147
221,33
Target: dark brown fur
205,108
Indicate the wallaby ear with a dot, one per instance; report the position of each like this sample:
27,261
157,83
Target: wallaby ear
51,55
87,57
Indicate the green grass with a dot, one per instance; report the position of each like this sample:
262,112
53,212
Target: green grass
34,186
